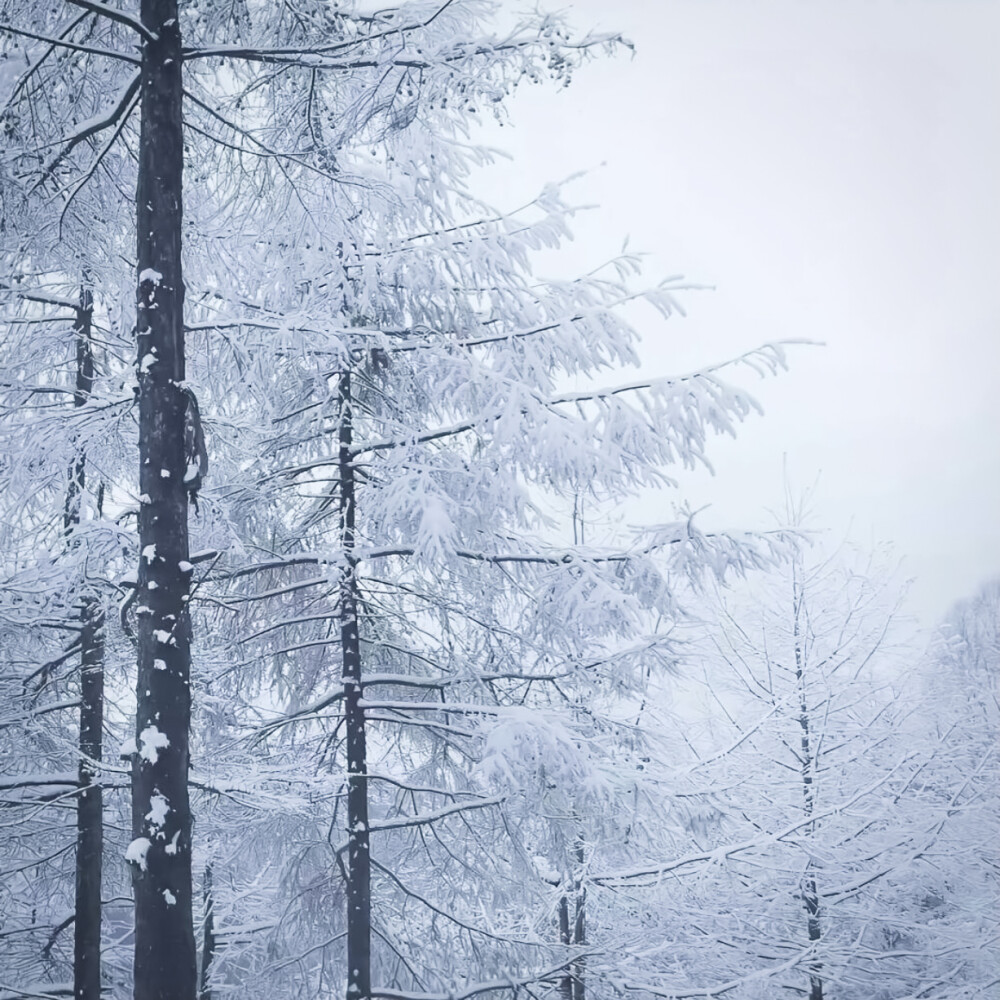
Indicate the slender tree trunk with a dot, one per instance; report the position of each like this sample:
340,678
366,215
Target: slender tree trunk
165,954
579,925
90,804
566,939
208,938
810,893
89,810
83,338
358,852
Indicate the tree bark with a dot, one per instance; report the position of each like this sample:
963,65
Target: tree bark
810,893
89,810
90,803
83,338
208,938
165,955
565,938
579,924
358,851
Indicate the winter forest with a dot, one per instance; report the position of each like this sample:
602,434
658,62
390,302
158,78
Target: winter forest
329,666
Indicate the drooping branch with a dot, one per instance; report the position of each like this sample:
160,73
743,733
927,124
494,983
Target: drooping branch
768,358
236,52
65,43
655,871
114,14
510,984
319,57
122,107
99,158
38,63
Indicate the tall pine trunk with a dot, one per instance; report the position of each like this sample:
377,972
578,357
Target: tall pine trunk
165,954
810,892
90,801
359,983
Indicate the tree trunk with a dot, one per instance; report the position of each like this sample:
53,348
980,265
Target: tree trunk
358,852
83,338
208,939
165,954
579,924
90,802
810,893
565,938
89,810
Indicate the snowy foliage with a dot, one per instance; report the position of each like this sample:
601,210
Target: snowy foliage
397,411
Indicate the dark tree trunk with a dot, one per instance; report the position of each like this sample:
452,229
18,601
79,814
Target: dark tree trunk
359,983
83,338
90,804
566,939
165,954
208,938
810,893
89,810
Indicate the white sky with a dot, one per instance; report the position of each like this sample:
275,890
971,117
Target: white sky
832,167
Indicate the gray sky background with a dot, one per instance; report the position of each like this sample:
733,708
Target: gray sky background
831,167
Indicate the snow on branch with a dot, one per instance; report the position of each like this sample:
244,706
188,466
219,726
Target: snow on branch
708,992
312,710
42,991
43,710
262,54
99,158
123,106
424,819
510,984
94,50
448,915
114,14
318,56
721,402
64,779
45,299
721,853
404,822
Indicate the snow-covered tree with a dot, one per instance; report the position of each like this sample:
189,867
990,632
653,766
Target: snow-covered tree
959,705
381,382
821,829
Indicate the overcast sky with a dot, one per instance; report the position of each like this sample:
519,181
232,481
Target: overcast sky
831,167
